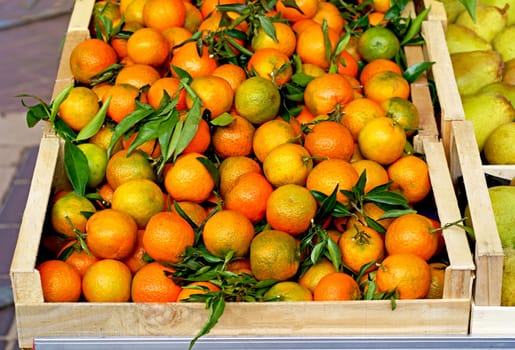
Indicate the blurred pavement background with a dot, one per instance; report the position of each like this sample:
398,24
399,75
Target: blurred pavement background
31,34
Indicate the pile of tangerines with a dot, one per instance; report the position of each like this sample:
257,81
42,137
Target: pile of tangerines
239,151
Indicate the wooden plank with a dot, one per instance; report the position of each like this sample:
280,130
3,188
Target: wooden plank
81,15
492,320
26,286
449,317
488,250
503,171
458,282
443,75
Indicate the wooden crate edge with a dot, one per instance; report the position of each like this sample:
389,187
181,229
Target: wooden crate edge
488,251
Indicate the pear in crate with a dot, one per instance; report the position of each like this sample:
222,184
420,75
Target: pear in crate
462,39
505,89
490,20
503,43
475,69
508,279
500,146
487,111
508,5
508,74
452,9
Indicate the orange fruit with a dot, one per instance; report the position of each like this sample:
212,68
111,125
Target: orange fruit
167,235
136,259
291,208
289,163
200,287
347,64
187,58
189,179
122,167
358,112
73,254
103,138
97,163
407,274
376,18
232,73
257,99
231,168
332,173
123,101
376,66
378,42
194,211
89,58
360,246
176,36
312,70
382,140
208,6
234,139
274,255
329,139
150,147
376,173
162,14
311,46
140,198
193,17
411,233
308,9
437,280
288,291
107,281
107,10
148,46
137,75
410,176
300,26
133,13
385,85
336,286
381,5
271,64
70,210
79,107
201,140
271,134
305,116
101,89
330,13
153,283
326,93
248,195
215,93
285,43
228,231
315,272
171,86
111,234
60,282
403,112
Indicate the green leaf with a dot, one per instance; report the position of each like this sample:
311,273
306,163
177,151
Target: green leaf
470,6
76,167
416,70
267,25
390,198
35,114
334,253
395,213
415,25
213,170
301,79
223,119
95,124
63,130
217,306
374,225
190,127
317,252
54,106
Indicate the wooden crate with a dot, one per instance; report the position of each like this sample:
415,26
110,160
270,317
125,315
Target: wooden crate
487,316
447,316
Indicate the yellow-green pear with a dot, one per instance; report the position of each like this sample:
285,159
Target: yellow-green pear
452,9
487,111
504,43
507,5
508,278
463,39
490,20
508,73
500,145
475,69
505,89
